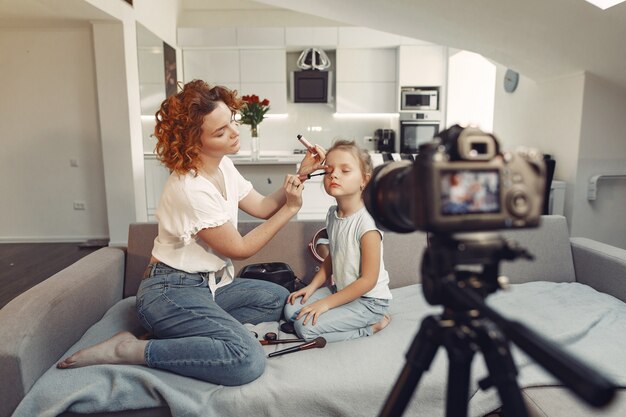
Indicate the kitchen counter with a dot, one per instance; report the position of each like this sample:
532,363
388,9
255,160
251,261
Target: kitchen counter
243,158
267,159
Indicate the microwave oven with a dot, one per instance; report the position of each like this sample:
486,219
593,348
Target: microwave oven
418,98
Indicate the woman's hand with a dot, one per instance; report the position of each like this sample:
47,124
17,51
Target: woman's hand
313,311
313,160
305,293
293,191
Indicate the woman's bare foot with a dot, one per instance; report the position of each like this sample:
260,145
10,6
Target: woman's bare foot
123,347
376,327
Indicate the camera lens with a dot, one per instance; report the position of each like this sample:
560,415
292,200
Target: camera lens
389,196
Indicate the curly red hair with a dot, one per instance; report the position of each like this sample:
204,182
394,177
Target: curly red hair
179,123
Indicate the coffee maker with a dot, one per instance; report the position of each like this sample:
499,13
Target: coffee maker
385,140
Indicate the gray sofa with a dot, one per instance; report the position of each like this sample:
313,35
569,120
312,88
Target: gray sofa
44,323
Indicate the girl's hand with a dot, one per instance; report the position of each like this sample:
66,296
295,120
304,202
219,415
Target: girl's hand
313,311
293,190
312,162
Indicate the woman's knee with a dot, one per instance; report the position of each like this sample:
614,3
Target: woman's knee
250,367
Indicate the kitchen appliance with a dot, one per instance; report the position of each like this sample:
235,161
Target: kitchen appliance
385,140
417,128
311,86
313,82
419,98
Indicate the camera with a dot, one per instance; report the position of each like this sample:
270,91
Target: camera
459,182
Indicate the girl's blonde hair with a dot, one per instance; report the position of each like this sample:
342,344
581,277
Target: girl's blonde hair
363,156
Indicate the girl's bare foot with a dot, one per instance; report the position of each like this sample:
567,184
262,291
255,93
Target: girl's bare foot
376,327
123,347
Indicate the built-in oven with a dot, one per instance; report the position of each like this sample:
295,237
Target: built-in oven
417,128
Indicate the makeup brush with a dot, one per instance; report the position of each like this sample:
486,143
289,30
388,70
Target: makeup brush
320,342
315,175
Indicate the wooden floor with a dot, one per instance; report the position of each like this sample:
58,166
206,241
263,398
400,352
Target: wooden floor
24,265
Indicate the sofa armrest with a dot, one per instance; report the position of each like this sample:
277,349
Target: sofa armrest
39,325
601,266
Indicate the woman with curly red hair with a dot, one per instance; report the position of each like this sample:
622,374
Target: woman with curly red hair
189,298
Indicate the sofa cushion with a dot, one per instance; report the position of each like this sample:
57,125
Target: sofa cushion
140,241
550,245
290,245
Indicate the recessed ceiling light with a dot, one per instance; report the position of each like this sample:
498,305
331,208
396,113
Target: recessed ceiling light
604,4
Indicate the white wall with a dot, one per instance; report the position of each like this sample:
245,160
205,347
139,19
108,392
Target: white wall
602,151
51,112
546,116
48,114
120,104
579,120
318,124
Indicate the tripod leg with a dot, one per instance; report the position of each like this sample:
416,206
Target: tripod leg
502,370
419,358
460,353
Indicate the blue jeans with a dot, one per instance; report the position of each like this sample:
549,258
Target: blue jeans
348,321
204,338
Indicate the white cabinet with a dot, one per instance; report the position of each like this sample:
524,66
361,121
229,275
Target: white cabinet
265,178
368,97
315,200
366,65
207,37
247,37
303,37
249,71
422,65
360,37
156,176
264,73
366,80
215,66
263,65
231,37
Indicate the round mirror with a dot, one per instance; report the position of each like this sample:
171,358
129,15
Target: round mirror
319,245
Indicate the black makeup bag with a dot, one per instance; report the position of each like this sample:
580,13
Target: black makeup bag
277,272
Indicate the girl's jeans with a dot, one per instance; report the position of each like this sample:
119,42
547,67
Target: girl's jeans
348,321
204,338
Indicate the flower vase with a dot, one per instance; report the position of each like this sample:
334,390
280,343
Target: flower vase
255,150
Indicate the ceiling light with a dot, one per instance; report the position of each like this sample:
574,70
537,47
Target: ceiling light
604,4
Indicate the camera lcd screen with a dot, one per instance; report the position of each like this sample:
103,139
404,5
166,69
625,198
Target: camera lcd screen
470,192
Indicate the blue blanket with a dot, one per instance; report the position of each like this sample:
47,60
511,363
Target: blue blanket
347,378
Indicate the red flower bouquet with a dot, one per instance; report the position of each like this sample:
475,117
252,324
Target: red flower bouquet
253,112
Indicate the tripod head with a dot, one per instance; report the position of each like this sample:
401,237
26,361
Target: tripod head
472,259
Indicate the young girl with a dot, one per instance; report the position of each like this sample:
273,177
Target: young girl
359,305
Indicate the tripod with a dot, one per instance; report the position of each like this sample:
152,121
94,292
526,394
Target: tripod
458,273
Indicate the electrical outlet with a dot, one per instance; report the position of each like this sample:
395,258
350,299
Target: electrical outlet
80,205
368,139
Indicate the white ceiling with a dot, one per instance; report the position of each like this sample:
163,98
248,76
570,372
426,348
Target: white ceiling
542,39
18,13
